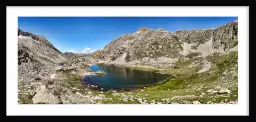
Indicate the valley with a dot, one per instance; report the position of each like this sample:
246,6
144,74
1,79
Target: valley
195,67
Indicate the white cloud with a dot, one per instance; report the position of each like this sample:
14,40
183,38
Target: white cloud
71,50
86,50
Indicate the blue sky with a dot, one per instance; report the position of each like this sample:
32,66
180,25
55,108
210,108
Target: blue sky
87,34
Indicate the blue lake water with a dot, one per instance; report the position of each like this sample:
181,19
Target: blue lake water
117,77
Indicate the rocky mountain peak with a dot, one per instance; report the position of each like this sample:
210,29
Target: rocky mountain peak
146,43
143,29
161,30
36,37
38,46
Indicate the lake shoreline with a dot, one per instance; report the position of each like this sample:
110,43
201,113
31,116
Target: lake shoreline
187,84
130,79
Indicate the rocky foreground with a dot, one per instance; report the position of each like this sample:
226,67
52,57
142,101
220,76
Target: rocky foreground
45,73
202,63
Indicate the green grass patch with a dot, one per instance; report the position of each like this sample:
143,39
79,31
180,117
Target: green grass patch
25,99
24,95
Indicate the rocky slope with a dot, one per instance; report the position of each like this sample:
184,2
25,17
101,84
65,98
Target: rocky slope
37,38
35,54
68,55
45,74
159,46
78,62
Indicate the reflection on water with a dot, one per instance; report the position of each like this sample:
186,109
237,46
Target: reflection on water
122,77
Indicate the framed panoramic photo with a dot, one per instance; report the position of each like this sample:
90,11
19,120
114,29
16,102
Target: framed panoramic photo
106,62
